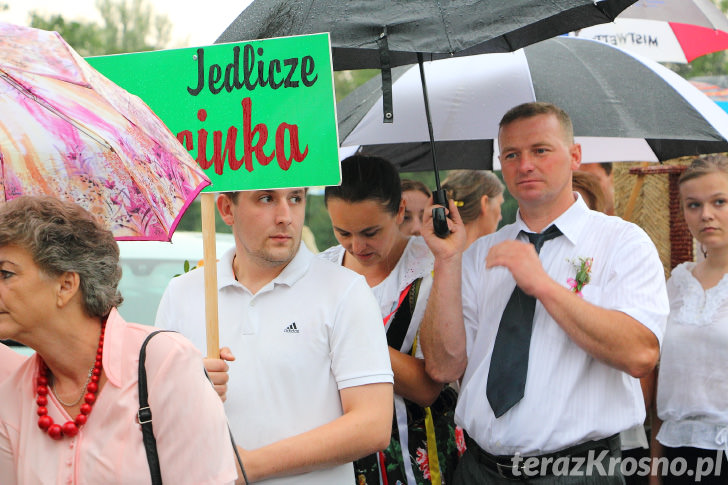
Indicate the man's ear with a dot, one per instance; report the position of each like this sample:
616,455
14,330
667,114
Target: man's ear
225,208
575,154
68,286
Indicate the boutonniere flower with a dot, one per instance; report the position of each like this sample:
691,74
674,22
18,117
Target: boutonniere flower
583,269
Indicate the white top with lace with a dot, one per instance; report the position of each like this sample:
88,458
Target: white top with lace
416,262
692,392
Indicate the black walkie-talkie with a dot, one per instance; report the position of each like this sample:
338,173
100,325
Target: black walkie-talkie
439,219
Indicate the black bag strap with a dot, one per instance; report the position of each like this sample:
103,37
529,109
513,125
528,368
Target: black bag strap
144,415
232,440
397,330
414,292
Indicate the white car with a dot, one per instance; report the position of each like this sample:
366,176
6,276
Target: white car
148,266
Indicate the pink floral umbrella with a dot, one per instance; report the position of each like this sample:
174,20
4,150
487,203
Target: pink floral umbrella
68,131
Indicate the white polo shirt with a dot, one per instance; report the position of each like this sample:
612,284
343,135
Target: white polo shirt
570,397
313,330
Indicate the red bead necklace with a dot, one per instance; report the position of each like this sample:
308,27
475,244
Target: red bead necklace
45,422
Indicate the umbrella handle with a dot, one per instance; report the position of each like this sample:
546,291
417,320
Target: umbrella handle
439,220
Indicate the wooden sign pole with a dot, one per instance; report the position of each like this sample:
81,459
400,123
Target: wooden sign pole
210,267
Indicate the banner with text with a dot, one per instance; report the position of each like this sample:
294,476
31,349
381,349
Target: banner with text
255,115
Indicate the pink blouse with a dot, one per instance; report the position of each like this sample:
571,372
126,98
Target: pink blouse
10,360
189,421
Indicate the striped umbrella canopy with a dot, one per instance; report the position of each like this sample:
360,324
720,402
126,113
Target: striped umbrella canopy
665,30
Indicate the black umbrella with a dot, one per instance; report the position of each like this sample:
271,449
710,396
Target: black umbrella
435,28
623,108
383,33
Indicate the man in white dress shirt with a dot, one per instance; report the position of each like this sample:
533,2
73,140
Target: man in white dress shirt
600,313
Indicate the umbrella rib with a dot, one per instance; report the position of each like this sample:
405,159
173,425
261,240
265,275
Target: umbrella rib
446,27
42,102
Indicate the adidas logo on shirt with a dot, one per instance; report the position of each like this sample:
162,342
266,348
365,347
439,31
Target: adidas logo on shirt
292,328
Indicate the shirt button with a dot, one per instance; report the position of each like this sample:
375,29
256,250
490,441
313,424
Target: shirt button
252,303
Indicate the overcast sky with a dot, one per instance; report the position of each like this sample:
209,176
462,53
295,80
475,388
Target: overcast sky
194,22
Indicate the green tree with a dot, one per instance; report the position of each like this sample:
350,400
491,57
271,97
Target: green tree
127,26
84,37
427,177
509,206
347,81
132,26
709,65
317,219
191,220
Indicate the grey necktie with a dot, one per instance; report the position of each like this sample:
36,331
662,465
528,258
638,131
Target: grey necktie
509,363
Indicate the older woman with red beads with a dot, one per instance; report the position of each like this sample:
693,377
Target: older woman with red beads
68,414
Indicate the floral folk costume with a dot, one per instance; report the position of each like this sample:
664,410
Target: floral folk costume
425,444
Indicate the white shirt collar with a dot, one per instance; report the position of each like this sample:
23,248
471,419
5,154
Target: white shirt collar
570,222
293,271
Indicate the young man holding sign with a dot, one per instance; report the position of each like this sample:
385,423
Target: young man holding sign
310,383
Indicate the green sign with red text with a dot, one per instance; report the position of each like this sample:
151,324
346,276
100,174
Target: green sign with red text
254,115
